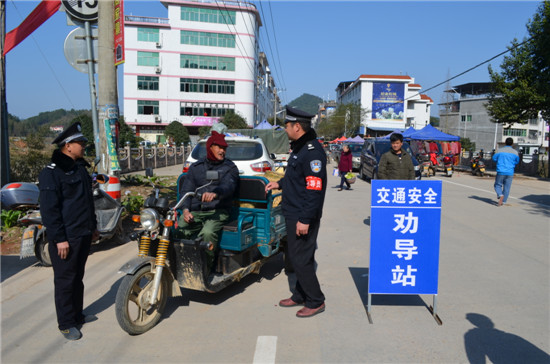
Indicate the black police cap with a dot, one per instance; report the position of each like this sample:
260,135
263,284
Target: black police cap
72,134
294,115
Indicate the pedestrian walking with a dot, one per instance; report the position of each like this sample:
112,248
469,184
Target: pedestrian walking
304,187
344,166
396,163
506,159
67,210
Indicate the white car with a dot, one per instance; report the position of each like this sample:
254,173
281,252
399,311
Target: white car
249,155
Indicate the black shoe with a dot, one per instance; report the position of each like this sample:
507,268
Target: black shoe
71,334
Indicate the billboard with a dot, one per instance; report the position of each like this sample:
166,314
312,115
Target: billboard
388,101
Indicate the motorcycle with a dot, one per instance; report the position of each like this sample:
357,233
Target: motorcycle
478,166
427,164
448,165
109,224
166,263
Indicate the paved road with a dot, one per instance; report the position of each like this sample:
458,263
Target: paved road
493,297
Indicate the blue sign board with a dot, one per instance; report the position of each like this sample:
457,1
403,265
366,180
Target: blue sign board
388,101
404,242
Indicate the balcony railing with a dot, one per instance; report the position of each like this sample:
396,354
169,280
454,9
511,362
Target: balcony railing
145,19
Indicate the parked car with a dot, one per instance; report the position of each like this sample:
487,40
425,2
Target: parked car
372,151
355,149
335,152
249,155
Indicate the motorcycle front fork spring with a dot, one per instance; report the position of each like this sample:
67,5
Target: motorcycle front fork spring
162,252
144,244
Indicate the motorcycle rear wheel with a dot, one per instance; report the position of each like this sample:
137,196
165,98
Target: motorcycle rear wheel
42,253
133,313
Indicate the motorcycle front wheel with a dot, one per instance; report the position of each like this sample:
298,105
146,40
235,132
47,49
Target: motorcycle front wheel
134,313
42,253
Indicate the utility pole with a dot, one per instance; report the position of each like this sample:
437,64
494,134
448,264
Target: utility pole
107,90
5,141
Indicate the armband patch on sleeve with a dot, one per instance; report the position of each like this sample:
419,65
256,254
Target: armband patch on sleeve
314,183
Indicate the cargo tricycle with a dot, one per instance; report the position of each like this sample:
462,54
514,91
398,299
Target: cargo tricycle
166,263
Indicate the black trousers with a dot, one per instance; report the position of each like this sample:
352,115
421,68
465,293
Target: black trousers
301,252
69,287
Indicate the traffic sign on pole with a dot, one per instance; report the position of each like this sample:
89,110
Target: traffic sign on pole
85,10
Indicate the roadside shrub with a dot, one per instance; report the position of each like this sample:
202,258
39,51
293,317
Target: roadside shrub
9,218
133,203
26,168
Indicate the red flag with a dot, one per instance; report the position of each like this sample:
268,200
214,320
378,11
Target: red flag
39,15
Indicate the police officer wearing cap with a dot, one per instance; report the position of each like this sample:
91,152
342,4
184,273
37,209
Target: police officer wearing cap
304,186
67,210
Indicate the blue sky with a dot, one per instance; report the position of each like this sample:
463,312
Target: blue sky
314,46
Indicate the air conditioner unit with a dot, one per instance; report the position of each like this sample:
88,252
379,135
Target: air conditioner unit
157,118
159,44
158,70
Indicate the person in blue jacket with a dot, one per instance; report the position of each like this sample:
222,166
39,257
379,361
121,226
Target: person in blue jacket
205,217
304,185
506,158
67,210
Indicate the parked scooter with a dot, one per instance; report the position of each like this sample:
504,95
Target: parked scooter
448,165
478,166
427,165
109,224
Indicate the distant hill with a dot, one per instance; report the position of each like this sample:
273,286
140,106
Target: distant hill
62,117
307,103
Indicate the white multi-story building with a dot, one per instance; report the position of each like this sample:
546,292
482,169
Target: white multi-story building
194,66
391,102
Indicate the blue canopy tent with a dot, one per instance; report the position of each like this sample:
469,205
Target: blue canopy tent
430,133
264,125
357,139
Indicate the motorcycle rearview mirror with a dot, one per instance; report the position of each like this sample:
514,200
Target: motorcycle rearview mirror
212,175
102,178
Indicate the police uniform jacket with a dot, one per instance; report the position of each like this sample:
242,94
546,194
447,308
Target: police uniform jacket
305,181
66,200
225,187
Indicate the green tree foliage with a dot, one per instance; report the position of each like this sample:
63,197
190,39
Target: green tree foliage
127,134
177,133
307,103
234,121
467,144
60,117
345,120
434,121
522,88
204,131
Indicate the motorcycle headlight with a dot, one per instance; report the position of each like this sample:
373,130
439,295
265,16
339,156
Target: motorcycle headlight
149,219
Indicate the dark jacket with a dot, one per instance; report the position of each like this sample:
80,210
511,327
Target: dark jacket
305,180
66,200
225,187
345,164
395,166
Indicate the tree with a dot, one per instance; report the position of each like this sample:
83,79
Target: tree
177,132
234,121
434,120
127,134
522,89
345,120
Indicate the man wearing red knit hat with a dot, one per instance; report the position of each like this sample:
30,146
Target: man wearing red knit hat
204,217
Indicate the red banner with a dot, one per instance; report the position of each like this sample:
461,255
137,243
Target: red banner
39,15
119,32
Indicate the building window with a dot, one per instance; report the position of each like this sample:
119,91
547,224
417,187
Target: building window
208,15
207,86
207,62
207,39
146,107
464,118
148,59
148,35
515,132
533,121
148,83
204,109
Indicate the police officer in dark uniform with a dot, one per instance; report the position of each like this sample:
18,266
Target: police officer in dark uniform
67,209
304,187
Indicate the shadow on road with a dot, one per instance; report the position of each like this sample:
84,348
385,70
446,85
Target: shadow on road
269,270
486,342
490,201
11,265
361,279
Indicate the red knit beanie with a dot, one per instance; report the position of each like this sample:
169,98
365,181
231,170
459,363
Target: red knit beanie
215,138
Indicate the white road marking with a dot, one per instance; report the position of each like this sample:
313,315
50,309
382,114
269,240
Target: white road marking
266,348
489,192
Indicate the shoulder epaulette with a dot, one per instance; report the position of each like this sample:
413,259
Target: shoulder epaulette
51,166
310,146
